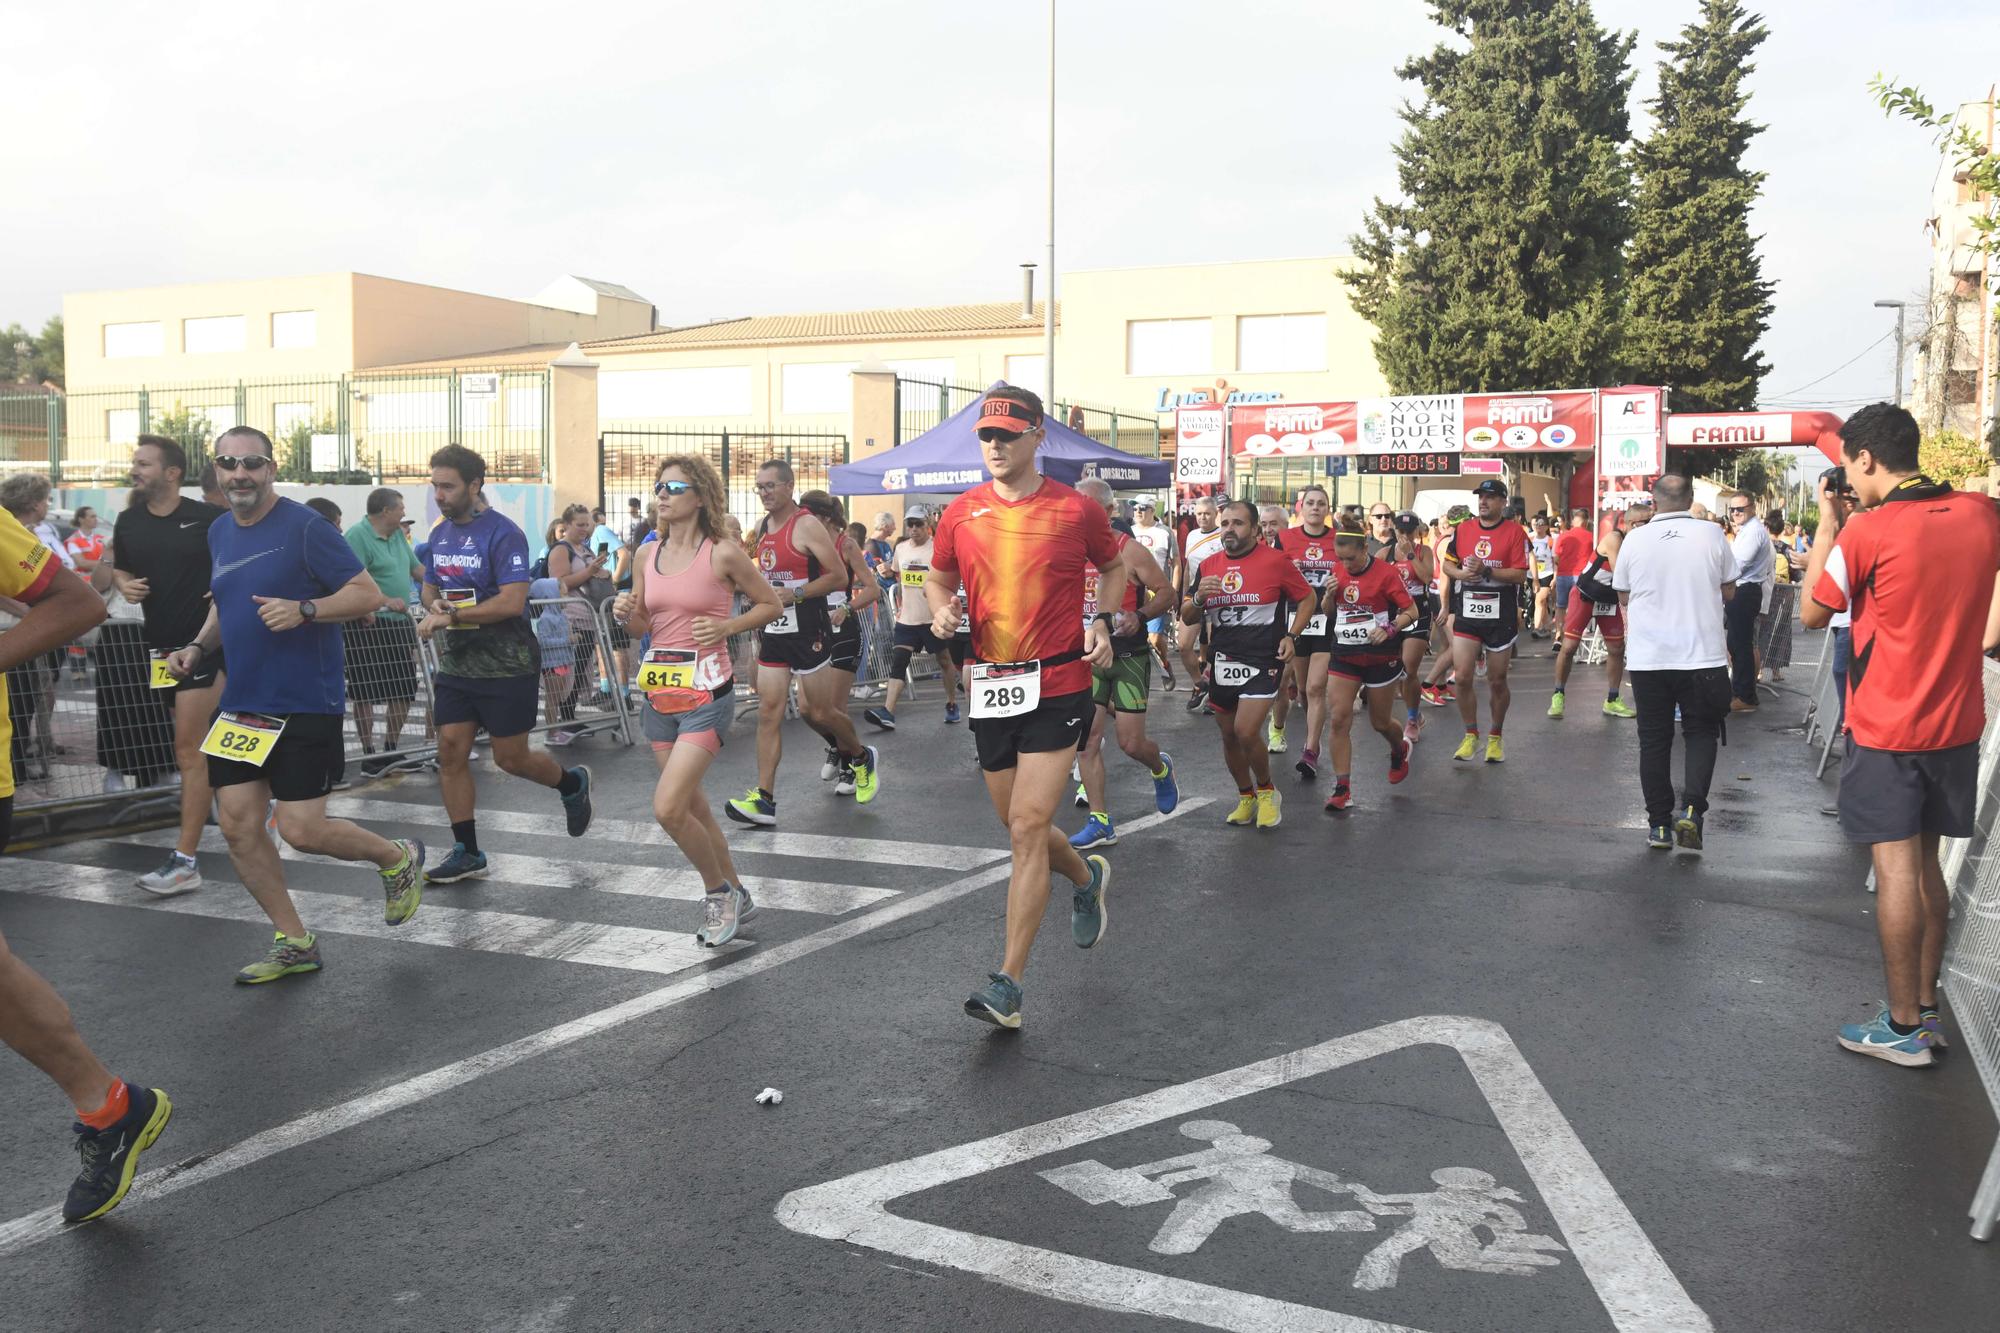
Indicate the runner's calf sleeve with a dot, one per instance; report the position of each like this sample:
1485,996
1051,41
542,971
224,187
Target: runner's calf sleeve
899,663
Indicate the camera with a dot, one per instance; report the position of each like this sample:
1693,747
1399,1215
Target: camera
1836,482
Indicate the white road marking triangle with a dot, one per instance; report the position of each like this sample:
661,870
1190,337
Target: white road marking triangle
1638,1290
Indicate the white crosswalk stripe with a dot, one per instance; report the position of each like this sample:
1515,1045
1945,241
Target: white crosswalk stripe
629,947
636,881
884,851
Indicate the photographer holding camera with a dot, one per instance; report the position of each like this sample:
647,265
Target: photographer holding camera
1916,571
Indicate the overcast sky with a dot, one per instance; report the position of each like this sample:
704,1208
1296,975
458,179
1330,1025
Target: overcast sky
765,156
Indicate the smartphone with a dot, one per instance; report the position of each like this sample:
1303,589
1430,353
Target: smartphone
604,548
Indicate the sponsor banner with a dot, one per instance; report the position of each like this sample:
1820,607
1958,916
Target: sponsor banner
1562,421
1750,430
1198,447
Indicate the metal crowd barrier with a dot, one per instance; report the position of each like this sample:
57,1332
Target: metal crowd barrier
93,743
1971,977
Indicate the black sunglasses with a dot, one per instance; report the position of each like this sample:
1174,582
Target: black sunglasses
993,434
248,462
672,487
1739,509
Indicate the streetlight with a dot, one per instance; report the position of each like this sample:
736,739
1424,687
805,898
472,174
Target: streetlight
1898,307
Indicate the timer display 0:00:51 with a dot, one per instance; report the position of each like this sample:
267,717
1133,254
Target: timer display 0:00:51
1430,465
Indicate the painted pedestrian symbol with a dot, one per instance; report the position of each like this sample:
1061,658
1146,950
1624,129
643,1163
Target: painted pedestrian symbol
1239,1178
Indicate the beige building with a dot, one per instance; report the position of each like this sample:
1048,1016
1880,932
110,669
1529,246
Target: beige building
1956,359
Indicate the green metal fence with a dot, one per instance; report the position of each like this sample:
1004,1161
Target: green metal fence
629,459
358,428
922,404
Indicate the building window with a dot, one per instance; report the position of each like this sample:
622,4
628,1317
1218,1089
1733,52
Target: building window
294,328
1281,342
217,333
1026,372
817,387
148,339
697,391
1168,347
121,424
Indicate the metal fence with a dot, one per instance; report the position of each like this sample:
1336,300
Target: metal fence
364,428
922,404
628,460
93,739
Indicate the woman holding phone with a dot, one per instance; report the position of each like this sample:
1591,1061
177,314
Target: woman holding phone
682,589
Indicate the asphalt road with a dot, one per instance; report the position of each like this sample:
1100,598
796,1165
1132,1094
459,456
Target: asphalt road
532,1107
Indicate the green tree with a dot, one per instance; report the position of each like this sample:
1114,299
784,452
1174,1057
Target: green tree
31,358
1697,301
1950,456
1501,264
189,427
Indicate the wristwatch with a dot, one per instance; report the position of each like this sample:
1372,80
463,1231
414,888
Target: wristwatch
1106,617
307,611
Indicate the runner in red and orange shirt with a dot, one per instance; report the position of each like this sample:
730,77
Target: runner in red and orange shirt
1367,606
1310,547
1244,592
1017,547
1487,562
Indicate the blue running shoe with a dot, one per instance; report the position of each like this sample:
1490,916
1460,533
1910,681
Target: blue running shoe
461,864
1087,913
1687,828
1877,1038
111,1156
881,717
1660,837
951,714
1096,832
998,1002
576,809
1166,791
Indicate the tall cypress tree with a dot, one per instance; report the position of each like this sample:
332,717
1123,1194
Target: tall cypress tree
1501,266
1697,299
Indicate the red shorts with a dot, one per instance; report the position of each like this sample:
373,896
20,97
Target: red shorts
1582,611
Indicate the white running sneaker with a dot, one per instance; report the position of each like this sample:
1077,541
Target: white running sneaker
179,875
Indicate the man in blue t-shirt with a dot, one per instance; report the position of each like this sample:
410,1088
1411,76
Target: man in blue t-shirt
476,576
282,581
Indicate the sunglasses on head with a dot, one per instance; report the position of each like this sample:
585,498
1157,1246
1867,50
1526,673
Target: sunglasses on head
993,434
248,462
672,487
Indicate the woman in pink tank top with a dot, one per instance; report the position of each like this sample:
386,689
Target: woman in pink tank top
682,591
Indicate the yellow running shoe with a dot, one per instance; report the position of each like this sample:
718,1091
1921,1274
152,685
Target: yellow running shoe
1467,747
1245,811
1496,753
1269,809
1274,739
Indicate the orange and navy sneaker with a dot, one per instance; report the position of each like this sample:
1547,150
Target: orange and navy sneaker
111,1156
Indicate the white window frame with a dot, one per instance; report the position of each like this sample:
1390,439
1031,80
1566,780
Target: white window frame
1281,344
146,337
1172,346
211,335
294,329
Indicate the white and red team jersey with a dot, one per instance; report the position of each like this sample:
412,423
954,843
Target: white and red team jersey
1358,604
786,564
1313,555
1406,570
1247,618
1502,546
1198,547
1090,576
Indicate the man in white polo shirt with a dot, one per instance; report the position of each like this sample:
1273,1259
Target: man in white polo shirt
1674,577
1757,563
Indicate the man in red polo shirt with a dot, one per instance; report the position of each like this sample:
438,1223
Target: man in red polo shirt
1916,570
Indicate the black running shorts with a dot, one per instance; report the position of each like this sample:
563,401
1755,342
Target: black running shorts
1060,723
305,763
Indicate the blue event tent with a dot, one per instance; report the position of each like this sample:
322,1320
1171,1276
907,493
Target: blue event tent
945,460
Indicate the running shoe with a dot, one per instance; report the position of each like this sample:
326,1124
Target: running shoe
1413,730
1308,765
1340,799
998,1002
1556,705
1082,797
561,738
881,717
1619,708
1096,832
287,956
1244,813
460,864
375,765
179,875
829,767
1087,913
867,775
271,818
576,809
1430,695
1166,788
1197,696
1687,829
1399,763
1449,691
1270,809
1933,1023
1877,1038
752,808
1496,753
951,714
1659,836
1467,748
403,887
723,914
1274,739
845,785
111,1156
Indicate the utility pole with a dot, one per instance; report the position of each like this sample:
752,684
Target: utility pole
1899,307
1049,301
